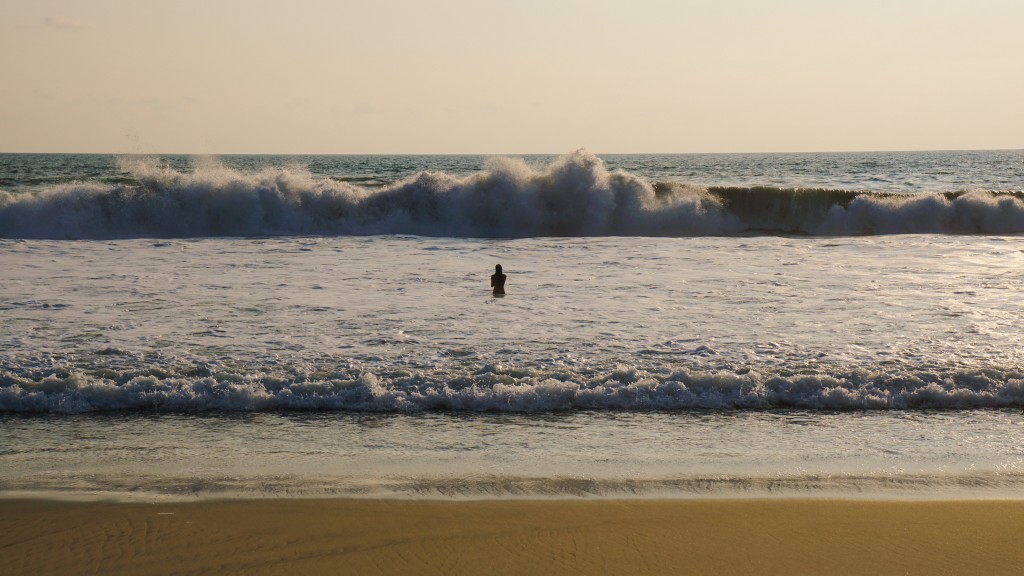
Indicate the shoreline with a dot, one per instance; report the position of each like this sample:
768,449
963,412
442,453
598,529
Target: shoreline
556,536
155,498
134,487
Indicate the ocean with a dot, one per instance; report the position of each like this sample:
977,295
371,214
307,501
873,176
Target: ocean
722,325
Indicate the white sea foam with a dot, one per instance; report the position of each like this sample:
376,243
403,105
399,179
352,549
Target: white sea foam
976,212
576,195
488,391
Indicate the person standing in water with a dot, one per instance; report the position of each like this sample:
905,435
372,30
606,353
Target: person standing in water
498,281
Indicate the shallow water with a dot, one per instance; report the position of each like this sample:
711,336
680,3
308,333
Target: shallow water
624,323
626,366
974,454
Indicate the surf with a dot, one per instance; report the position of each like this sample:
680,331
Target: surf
575,195
501,389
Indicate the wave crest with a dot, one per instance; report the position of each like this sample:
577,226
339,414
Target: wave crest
497,389
576,195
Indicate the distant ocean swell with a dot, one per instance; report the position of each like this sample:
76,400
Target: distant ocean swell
495,389
574,196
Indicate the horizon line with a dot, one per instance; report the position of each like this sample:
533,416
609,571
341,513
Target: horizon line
860,151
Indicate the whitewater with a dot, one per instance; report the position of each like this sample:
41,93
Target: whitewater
573,195
673,325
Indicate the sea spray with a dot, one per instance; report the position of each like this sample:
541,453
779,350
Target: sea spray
575,195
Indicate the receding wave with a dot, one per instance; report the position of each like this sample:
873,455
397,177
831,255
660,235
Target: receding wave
576,195
498,389
971,484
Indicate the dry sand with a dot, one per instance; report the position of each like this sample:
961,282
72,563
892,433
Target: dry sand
366,537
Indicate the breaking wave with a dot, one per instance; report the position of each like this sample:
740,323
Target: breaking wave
498,389
576,195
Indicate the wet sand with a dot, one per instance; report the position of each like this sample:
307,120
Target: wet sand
343,536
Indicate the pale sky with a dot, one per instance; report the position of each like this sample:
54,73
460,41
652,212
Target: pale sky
522,76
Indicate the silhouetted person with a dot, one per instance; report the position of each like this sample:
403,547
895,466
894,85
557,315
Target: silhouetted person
498,281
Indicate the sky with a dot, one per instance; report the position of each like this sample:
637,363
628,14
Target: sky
517,76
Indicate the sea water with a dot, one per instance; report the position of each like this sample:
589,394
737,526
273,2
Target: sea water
705,325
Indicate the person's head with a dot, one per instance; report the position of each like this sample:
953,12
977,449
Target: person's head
497,268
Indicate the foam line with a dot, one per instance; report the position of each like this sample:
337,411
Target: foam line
499,391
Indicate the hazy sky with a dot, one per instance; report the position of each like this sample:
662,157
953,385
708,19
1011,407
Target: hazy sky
518,76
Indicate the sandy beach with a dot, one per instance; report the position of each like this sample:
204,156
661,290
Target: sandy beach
346,536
